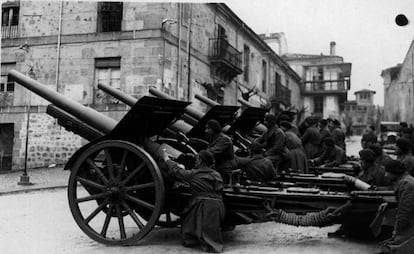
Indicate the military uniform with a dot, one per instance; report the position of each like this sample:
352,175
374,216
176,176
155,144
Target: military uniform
296,154
334,156
403,238
311,140
205,212
338,136
221,147
408,160
273,141
257,168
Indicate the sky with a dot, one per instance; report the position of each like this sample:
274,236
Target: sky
365,32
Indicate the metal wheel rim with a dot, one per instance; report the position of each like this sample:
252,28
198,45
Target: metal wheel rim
117,196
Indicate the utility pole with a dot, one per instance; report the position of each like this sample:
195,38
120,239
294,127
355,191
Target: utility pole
24,178
189,91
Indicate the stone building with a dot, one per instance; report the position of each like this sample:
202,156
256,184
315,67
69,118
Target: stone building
360,113
326,81
182,49
399,90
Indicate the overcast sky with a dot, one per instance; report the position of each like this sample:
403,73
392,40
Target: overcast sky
365,32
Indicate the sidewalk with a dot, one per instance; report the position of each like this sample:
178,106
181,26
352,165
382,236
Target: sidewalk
42,178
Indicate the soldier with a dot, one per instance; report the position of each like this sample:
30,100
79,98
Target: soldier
221,147
338,135
332,154
402,240
273,141
202,218
404,154
371,173
311,138
382,157
257,167
324,130
296,154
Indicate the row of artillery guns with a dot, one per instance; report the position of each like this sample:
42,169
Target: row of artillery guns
117,193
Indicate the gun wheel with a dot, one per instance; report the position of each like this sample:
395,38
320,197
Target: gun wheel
116,192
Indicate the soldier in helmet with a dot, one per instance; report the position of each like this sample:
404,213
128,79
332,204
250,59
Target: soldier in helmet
221,146
404,154
202,218
402,240
371,173
273,141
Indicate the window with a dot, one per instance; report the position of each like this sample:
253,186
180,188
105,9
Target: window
109,16
246,60
10,20
6,87
278,79
264,76
318,104
107,72
287,83
186,13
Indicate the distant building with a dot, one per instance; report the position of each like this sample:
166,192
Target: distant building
399,90
326,82
182,49
360,113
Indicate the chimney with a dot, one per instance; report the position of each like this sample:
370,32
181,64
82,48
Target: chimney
332,52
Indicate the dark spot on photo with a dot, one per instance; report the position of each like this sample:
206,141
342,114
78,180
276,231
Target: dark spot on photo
401,20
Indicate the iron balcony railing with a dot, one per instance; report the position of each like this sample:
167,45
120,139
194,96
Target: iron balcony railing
282,95
326,86
220,49
9,32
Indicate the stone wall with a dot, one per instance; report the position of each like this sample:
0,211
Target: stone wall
49,143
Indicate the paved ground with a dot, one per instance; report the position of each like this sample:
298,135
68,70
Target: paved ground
30,226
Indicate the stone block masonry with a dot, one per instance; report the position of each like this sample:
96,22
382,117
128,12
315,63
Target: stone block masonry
49,143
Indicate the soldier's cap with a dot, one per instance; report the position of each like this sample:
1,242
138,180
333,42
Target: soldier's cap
395,167
285,124
206,157
255,147
329,142
214,125
336,122
270,118
403,144
367,155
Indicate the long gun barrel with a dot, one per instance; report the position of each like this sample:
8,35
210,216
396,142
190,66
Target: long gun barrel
260,128
92,117
192,112
206,100
178,126
73,124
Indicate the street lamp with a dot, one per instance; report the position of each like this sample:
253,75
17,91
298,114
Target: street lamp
24,178
162,58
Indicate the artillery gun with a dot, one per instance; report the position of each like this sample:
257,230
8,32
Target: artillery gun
117,192
246,122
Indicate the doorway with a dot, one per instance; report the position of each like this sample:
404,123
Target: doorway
6,146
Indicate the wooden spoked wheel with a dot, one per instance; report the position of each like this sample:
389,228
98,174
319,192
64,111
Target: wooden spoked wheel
116,192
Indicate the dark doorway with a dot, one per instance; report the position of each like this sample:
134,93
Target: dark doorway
6,146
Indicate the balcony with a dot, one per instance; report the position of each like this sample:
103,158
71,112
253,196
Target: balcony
326,87
281,96
225,59
9,32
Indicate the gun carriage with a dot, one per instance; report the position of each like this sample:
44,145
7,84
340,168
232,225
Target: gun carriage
117,193
241,128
